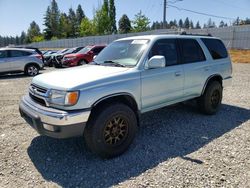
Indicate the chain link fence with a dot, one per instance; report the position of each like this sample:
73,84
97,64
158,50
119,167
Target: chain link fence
237,37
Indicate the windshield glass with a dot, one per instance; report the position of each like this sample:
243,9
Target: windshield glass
125,52
84,50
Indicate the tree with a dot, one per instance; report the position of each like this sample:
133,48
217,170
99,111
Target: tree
72,23
87,27
124,24
186,23
197,26
180,23
210,24
141,22
191,25
112,16
102,20
79,14
33,32
64,26
222,24
51,21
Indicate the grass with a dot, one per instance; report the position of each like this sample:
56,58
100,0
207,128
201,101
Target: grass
240,56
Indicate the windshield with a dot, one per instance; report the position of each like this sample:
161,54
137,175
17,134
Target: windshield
125,52
84,50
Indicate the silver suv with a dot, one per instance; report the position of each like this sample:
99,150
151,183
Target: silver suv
20,60
103,101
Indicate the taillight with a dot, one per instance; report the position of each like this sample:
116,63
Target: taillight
39,56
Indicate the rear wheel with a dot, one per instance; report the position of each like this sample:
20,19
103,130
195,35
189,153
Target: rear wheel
210,101
31,70
111,132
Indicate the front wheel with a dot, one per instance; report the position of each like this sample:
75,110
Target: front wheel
32,70
111,132
81,62
210,101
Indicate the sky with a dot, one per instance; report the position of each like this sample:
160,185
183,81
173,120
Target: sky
16,15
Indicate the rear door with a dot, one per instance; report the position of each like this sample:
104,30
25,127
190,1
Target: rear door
4,65
196,68
18,59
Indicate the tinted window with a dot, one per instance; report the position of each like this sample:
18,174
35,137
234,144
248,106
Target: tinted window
216,48
18,53
97,50
191,51
3,54
166,48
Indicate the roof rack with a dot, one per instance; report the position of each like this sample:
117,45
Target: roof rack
205,35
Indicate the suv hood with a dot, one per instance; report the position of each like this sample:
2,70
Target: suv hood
70,78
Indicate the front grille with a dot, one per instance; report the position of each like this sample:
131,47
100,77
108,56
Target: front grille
38,94
38,89
37,100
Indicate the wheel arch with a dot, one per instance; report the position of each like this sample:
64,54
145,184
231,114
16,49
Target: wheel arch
215,77
31,63
125,98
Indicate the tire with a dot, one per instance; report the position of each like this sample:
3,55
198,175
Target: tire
31,70
111,131
210,102
81,62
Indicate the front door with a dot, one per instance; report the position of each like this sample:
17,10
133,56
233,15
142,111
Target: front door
4,64
162,86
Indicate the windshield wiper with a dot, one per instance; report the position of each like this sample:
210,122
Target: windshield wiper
114,63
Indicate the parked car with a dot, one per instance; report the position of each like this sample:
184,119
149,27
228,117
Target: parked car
20,60
84,56
48,57
59,56
103,101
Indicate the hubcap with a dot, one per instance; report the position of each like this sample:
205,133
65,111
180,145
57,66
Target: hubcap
115,130
32,71
215,98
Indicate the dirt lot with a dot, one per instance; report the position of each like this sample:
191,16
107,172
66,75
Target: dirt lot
240,56
175,147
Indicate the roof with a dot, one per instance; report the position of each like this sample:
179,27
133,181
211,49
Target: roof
163,36
20,49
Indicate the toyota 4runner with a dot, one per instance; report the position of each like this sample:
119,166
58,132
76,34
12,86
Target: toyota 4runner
103,101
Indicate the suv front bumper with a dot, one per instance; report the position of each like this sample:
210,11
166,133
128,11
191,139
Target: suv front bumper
52,122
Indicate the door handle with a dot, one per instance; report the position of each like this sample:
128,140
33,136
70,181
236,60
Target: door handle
177,73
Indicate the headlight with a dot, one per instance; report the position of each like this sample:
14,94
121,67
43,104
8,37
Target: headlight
63,98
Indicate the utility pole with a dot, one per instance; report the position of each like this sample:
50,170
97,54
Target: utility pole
164,13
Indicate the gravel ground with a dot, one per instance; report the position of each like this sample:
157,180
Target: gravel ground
175,147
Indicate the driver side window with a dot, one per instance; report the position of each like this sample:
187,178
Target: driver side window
166,48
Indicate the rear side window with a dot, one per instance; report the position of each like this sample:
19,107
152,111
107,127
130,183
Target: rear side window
3,54
191,51
216,48
166,48
97,50
18,53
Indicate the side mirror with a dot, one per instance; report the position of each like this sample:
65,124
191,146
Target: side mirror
157,61
94,57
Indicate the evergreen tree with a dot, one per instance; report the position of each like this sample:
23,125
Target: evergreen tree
124,24
180,24
140,22
33,32
197,26
64,26
112,16
87,27
79,14
51,21
191,25
23,38
72,23
222,24
186,23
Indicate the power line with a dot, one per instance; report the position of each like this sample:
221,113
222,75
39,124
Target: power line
201,13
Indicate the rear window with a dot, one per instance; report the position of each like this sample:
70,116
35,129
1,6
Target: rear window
216,48
191,51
